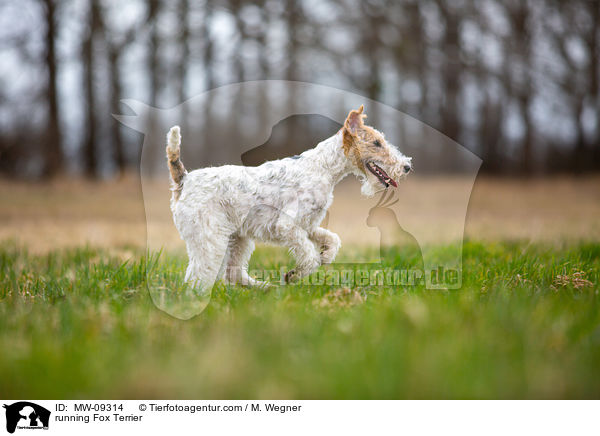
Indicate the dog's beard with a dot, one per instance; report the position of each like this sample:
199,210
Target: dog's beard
366,188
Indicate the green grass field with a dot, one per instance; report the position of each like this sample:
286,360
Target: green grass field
526,324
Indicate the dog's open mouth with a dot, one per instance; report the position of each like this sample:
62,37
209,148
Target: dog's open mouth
381,175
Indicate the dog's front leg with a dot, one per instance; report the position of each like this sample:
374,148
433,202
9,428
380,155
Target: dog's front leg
304,251
328,242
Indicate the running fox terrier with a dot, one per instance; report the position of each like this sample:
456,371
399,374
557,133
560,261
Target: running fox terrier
221,211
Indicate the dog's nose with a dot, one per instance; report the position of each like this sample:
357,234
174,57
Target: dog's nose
407,168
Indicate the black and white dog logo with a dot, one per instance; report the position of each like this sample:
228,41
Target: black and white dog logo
26,415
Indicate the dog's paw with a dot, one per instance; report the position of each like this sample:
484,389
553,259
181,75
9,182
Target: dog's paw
291,276
329,251
328,255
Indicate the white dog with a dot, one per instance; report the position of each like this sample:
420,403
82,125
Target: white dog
221,211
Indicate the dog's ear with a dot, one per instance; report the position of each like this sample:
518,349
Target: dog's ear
354,121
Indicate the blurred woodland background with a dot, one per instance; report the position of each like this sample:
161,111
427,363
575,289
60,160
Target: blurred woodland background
514,81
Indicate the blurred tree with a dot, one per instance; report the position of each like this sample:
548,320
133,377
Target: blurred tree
184,44
292,16
450,75
209,76
91,105
52,139
519,75
117,43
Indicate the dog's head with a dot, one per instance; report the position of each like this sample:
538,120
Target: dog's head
377,162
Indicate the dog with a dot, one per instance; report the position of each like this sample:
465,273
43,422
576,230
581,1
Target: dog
220,211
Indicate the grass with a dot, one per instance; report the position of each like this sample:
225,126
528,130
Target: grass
526,324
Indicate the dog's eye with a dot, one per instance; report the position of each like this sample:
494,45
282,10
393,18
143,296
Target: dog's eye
377,143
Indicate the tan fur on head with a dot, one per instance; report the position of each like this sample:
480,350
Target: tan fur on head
353,124
354,121
357,136
363,144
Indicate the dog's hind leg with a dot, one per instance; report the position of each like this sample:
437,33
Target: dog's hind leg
206,257
206,232
205,262
238,255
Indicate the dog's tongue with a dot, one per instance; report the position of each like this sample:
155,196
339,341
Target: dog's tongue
387,178
382,175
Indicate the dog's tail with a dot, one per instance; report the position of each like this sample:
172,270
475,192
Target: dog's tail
176,167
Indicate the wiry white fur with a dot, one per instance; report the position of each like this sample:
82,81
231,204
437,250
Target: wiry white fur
222,210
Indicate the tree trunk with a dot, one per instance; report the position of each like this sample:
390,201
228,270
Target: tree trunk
52,143
595,88
90,158
450,72
209,81
182,66
115,93
292,17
